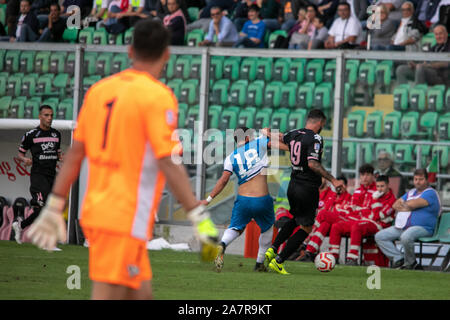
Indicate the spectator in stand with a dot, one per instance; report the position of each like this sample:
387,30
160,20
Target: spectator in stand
27,29
302,32
56,26
394,8
98,13
288,14
369,220
269,13
226,5
408,35
417,213
162,8
252,35
430,73
425,10
437,17
386,168
359,9
12,13
381,37
115,24
320,34
41,9
327,8
221,27
134,13
241,13
175,22
346,30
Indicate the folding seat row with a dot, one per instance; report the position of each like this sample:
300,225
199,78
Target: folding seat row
28,107
421,97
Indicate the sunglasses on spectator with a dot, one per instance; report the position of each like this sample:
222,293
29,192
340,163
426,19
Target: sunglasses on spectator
215,14
383,159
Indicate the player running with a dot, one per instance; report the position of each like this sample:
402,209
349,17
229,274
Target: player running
248,162
124,130
305,146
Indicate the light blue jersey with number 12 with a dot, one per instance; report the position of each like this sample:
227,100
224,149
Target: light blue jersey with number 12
248,160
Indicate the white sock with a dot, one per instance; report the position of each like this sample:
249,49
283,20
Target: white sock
229,235
265,241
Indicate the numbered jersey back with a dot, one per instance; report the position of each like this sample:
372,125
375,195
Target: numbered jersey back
248,160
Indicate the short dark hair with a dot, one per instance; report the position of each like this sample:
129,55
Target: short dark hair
344,4
343,178
421,172
150,39
55,4
321,18
45,106
254,7
366,168
313,6
240,133
316,114
382,177
29,1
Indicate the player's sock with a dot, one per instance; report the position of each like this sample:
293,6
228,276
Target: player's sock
229,236
28,221
293,243
284,234
265,239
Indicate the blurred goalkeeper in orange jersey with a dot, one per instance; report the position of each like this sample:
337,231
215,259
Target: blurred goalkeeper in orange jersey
124,130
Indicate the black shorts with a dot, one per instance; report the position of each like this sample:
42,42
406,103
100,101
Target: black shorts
40,187
303,200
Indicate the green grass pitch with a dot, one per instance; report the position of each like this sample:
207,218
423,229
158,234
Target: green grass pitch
29,273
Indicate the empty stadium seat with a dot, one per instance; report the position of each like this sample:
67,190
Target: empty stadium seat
367,155
428,123
193,13
375,124
401,97
196,67
231,68
280,119
305,95
348,154
119,62
297,70
52,102
384,73
274,36
219,92
4,106
264,69
16,108
169,68
189,91
115,39
182,114
296,119
12,61
330,71
425,151
27,61
100,37
70,35
410,125
289,94
64,111
404,155
175,85
323,95
90,63
214,112
281,69
255,92
444,126
392,124
435,98
57,62
262,118
29,85
216,67
351,71
31,108
103,65
385,147
3,81
314,70
238,93
367,71
86,35
192,117
128,36
69,67
327,153
2,59
89,81
60,82
182,67
248,69
229,118
13,85
247,117
194,37
272,94
356,123
418,97
442,152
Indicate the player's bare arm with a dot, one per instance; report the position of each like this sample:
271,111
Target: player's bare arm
27,161
317,167
220,185
415,204
276,139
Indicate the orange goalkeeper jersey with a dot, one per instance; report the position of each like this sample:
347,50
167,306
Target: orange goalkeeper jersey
126,123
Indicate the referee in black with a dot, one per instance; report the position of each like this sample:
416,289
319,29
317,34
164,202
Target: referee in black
305,147
44,143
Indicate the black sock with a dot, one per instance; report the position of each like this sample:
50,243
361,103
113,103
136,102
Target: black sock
293,243
28,221
224,246
284,234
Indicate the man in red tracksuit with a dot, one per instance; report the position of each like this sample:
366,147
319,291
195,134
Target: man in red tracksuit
363,195
376,216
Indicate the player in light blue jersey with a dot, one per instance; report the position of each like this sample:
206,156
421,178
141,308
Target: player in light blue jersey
248,161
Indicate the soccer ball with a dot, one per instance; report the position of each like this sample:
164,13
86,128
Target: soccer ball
325,262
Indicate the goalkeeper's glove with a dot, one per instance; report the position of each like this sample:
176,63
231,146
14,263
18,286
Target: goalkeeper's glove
50,226
205,231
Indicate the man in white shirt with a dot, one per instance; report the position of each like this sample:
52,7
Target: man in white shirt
345,31
407,37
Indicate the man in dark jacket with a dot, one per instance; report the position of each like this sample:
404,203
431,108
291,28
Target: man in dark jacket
56,26
27,24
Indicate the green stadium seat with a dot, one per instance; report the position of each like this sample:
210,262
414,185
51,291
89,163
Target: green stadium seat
410,125
238,93
42,62
2,59
27,61
115,39
189,91
219,92
175,85
385,147
60,83
280,119
229,118
196,67
231,68
444,126
57,62
401,97
194,37
274,36
349,92
418,97
428,124
296,119
255,92
281,69
100,37
103,65
289,94
367,155
119,62
247,117
297,70
330,71
182,67
272,94
427,41
182,114
442,152
447,99
384,73
90,63
375,124
29,85
128,36
4,106
64,111
192,117
214,112
351,71
69,67
44,84
16,108
216,67
3,15
323,95
314,70
169,68
86,35
404,155
367,71
262,118
12,61
89,81
392,125
248,69
70,35
31,108
3,81
264,69
355,120
327,153
52,102
193,13
435,98
14,84
305,95
348,154
426,151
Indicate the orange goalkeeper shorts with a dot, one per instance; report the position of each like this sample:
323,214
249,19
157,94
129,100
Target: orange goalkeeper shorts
117,259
